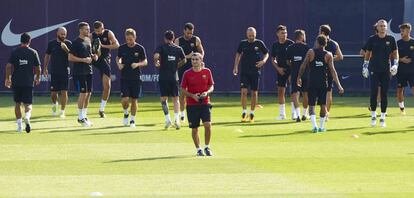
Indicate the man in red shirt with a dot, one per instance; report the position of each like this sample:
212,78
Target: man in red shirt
197,84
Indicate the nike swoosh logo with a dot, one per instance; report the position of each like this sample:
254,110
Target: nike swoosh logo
11,39
397,36
345,77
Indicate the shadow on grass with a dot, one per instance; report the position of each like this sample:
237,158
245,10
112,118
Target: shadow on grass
81,129
123,132
298,133
36,129
152,158
363,115
256,123
389,132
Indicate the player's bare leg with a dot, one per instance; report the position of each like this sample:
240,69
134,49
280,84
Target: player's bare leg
243,100
207,138
305,104
182,107
329,101
54,98
176,102
63,102
253,103
282,107
295,100
106,91
125,106
400,98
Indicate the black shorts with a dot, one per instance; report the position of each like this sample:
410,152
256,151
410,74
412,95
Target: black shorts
23,95
168,88
249,81
330,82
282,80
183,68
83,83
404,79
195,113
379,79
130,88
317,94
103,65
59,82
294,85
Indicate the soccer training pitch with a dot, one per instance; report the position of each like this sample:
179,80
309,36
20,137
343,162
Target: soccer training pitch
269,158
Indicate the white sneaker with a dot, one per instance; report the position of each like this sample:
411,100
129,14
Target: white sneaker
182,118
62,115
125,120
373,121
281,117
132,124
19,128
382,123
88,122
167,124
177,124
54,113
294,116
84,123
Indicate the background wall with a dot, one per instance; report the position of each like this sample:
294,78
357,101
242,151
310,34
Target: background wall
220,24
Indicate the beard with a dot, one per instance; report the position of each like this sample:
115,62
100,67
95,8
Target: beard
61,38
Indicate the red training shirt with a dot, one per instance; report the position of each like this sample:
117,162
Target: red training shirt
197,82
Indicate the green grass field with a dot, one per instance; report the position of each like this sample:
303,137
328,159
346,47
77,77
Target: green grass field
266,159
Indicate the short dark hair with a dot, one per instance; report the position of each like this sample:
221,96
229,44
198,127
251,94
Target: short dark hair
25,38
189,26
98,24
169,35
405,26
325,29
82,24
322,40
280,27
299,33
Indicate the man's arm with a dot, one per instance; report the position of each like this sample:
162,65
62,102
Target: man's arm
305,63
236,63
182,62
275,64
367,56
209,91
119,63
7,81
46,64
329,59
140,64
394,55
156,59
73,58
38,71
182,58
64,47
362,53
112,39
260,63
338,54
188,94
199,46
177,41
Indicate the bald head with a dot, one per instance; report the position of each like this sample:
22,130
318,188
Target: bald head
61,33
251,34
